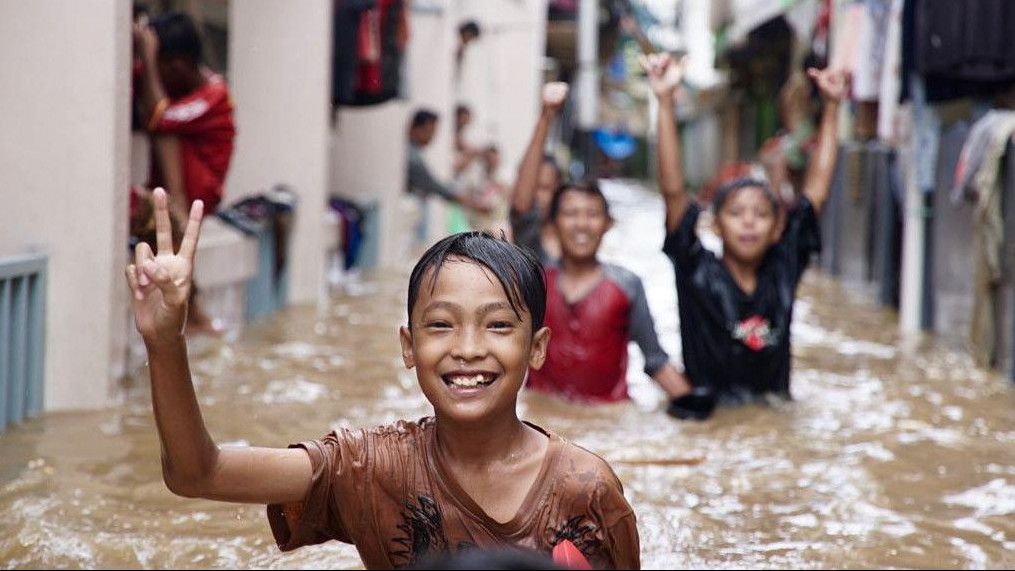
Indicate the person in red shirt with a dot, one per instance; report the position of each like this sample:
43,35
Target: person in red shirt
593,309
187,109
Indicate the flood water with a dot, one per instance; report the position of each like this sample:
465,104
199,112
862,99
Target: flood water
893,454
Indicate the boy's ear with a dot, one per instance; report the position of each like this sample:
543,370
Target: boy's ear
405,338
540,341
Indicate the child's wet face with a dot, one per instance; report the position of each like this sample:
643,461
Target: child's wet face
470,349
581,222
747,224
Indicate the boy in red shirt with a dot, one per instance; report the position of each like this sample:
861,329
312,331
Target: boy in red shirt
472,476
593,309
187,109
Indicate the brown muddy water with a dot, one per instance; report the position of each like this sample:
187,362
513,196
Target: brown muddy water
893,454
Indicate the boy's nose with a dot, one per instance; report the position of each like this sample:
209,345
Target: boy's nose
468,345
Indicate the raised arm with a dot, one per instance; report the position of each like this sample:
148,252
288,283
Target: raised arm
818,183
524,193
664,77
153,98
192,464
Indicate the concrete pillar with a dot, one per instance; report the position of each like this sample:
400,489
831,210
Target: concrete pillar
433,35
502,75
64,146
588,79
279,73
369,162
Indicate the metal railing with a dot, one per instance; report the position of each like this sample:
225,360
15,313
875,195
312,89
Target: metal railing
22,330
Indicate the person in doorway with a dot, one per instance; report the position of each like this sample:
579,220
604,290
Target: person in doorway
538,178
465,154
473,475
419,180
188,112
736,310
468,32
490,192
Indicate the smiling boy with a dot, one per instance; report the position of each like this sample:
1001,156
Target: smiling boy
472,476
736,309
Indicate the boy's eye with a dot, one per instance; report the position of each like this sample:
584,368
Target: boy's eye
438,324
501,325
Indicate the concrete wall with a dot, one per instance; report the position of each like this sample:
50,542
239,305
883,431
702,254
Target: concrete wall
499,78
501,75
64,179
279,70
368,166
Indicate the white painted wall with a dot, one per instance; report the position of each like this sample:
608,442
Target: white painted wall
280,73
433,35
500,79
64,95
502,74
369,162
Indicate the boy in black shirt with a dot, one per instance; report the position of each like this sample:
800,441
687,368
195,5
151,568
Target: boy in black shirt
735,311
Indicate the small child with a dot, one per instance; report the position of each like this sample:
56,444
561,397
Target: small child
735,311
471,476
490,192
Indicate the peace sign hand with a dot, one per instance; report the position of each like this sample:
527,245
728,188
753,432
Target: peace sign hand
161,283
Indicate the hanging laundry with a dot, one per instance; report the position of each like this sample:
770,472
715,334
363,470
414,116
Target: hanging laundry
977,178
370,41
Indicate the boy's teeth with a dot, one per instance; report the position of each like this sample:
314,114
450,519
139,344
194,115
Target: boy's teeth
468,381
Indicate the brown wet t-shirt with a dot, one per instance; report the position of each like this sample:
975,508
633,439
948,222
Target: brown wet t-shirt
387,492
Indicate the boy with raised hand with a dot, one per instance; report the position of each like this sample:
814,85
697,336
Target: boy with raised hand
472,476
735,311
538,178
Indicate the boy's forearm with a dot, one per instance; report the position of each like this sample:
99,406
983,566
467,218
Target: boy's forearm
152,90
671,176
822,168
523,194
188,451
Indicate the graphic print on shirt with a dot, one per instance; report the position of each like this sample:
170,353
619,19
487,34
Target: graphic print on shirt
756,333
423,532
582,533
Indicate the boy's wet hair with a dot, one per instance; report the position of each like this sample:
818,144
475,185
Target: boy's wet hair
518,271
178,36
469,27
589,188
730,188
422,117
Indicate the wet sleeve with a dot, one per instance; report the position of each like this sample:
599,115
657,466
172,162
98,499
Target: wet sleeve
802,237
621,543
525,229
643,329
197,113
423,183
329,511
682,245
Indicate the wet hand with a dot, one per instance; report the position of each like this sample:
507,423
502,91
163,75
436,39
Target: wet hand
160,282
664,74
554,95
146,43
832,83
